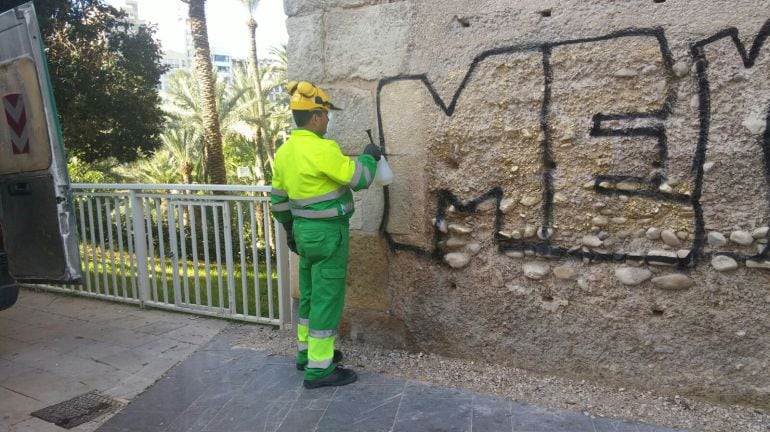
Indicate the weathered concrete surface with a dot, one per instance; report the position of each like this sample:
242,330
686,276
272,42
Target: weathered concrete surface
608,121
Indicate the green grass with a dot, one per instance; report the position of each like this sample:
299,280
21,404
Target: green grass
189,296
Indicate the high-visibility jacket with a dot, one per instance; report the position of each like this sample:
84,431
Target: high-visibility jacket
312,179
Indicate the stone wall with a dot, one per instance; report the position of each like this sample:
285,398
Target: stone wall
582,188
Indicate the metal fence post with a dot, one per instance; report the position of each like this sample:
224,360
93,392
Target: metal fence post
140,246
284,281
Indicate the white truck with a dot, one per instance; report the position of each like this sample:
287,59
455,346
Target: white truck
38,235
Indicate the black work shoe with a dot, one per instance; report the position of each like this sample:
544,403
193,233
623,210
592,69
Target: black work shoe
336,360
339,377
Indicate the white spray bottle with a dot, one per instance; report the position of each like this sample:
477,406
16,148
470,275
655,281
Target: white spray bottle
384,175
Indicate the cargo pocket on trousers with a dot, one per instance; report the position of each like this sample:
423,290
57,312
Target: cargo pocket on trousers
333,273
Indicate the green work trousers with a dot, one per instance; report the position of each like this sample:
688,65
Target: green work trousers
322,246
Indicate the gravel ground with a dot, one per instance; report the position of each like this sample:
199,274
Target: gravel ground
520,385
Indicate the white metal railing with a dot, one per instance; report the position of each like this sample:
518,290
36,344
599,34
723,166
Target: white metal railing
206,249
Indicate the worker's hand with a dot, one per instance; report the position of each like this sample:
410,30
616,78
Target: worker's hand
374,151
290,237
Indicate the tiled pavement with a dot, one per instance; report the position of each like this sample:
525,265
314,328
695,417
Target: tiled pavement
55,347
221,388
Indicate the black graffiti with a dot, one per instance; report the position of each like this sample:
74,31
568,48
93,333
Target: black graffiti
656,130
698,53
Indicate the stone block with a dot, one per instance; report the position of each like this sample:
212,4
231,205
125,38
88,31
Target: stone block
304,7
367,43
404,107
305,48
409,211
357,220
370,204
349,126
367,283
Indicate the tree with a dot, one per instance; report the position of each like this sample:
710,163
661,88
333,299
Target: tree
260,131
184,105
184,146
159,168
254,70
104,73
214,159
276,118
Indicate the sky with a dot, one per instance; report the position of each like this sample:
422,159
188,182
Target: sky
226,20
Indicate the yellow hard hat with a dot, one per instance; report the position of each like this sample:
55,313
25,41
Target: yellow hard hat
305,97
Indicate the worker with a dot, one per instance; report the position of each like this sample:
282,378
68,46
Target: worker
312,197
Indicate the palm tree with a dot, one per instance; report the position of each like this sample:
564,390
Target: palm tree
215,162
278,113
184,107
157,169
279,65
276,118
251,5
183,145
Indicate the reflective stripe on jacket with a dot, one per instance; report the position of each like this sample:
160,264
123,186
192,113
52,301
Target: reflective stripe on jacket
312,179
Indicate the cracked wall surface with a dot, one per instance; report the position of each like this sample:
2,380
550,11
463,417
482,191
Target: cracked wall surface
581,188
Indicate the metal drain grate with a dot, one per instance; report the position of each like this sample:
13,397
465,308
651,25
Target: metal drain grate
77,410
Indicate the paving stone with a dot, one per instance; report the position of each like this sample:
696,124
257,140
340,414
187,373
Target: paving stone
355,417
127,388
158,366
274,378
324,393
369,394
16,407
426,407
194,419
369,378
132,322
297,420
45,386
170,393
28,353
610,425
529,418
140,421
34,425
491,414
97,349
192,333
160,327
416,389
121,337
238,416
167,347
129,361
74,367
10,369
68,342
23,332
